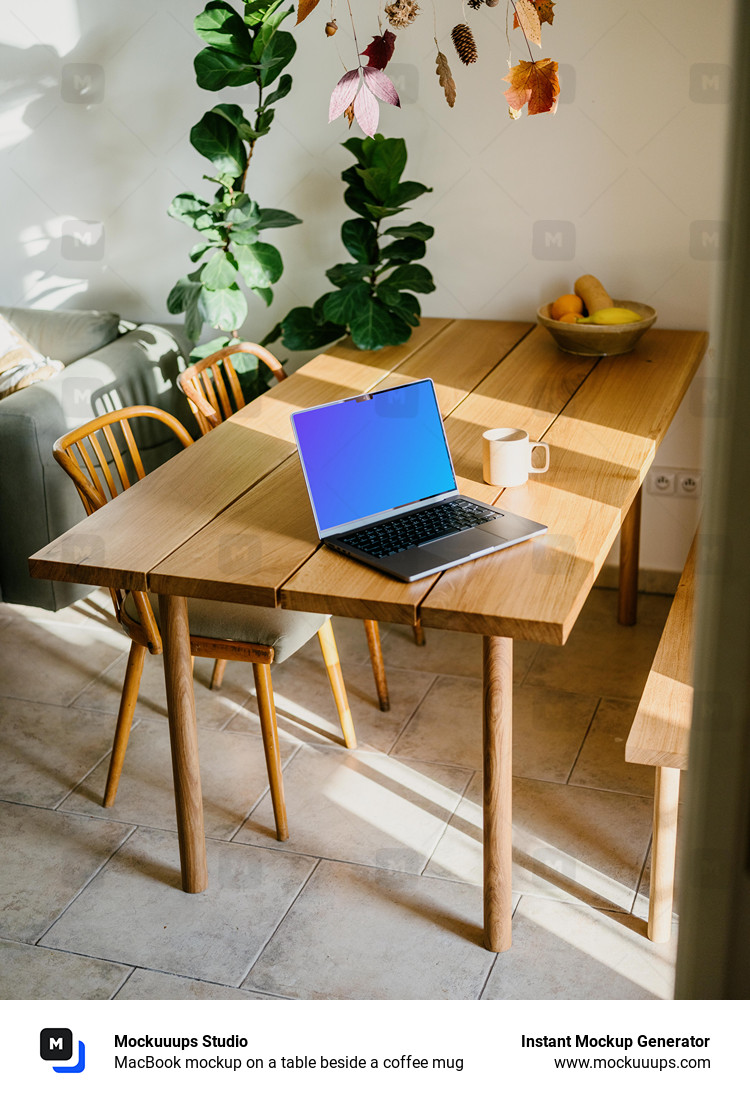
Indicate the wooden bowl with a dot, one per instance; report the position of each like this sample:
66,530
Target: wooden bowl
598,339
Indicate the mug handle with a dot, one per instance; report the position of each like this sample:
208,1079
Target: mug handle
539,469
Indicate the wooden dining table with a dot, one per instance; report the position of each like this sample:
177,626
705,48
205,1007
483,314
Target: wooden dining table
229,519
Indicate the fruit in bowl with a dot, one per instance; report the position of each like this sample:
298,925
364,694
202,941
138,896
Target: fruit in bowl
602,325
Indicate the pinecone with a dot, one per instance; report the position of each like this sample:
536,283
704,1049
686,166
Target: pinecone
463,40
475,4
402,12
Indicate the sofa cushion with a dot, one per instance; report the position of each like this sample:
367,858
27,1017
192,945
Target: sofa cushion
65,334
21,364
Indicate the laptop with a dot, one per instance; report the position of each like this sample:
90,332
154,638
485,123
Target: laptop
382,487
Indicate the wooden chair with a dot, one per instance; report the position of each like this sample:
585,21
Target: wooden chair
214,392
101,465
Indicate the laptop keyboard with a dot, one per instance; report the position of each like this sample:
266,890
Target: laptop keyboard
417,528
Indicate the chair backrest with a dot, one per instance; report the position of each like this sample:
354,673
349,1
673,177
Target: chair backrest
102,466
213,388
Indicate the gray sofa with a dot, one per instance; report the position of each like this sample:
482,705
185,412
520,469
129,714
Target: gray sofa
110,363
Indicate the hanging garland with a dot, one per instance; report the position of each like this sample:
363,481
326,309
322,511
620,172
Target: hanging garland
359,92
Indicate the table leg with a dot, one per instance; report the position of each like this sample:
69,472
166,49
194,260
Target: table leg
183,735
630,538
498,814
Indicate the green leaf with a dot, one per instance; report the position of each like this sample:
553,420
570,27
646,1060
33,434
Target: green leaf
301,331
202,350
232,112
258,10
220,272
354,145
260,264
243,211
215,69
182,292
419,230
408,191
217,139
245,234
220,25
360,240
402,251
187,207
378,182
341,274
355,198
342,306
283,89
200,249
389,155
410,277
405,306
224,309
374,326
379,212
263,292
273,56
276,219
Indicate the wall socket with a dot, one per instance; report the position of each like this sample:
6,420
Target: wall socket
665,481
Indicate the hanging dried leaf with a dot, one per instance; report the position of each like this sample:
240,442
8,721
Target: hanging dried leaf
381,85
528,18
533,84
543,9
447,83
343,94
380,50
349,114
304,8
366,110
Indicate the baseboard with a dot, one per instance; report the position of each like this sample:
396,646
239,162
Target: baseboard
661,582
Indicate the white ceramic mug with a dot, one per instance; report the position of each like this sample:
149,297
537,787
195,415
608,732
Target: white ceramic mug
507,457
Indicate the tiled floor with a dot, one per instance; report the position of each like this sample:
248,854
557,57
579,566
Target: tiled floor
377,892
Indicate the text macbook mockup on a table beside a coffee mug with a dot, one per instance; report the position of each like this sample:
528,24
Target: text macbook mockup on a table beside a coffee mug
507,457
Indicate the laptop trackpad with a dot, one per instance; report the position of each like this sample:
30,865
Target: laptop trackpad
461,545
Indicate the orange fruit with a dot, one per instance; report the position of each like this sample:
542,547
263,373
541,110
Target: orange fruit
566,303
570,318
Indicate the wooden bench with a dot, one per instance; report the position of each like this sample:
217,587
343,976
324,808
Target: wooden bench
659,736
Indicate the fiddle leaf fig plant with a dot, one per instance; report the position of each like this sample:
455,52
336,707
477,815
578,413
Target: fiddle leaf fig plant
373,299
240,50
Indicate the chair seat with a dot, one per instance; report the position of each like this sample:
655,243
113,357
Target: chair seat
285,631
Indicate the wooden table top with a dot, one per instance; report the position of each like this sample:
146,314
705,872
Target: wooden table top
229,517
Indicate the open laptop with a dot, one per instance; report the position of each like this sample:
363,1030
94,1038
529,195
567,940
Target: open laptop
383,490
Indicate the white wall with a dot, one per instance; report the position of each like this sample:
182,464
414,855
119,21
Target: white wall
625,181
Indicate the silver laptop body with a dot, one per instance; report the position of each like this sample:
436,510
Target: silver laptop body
376,457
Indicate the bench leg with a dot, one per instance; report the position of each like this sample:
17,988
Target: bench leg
663,851
630,538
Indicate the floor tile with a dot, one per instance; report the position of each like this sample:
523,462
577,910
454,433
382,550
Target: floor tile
135,912
46,750
447,727
152,985
458,854
601,657
213,708
602,763
356,932
549,728
362,807
570,952
302,693
575,843
36,973
47,858
53,661
233,777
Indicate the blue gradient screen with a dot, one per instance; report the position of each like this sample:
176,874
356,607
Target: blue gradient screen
375,452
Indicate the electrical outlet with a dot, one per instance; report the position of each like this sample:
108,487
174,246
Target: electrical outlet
661,481
688,483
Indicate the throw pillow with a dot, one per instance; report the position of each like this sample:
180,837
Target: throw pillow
20,363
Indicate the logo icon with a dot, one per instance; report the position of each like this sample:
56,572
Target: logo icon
56,1045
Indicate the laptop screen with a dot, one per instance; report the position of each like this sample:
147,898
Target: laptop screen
368,454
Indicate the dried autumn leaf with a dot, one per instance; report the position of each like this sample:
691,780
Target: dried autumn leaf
304,8
544,11
528,18
349,114
382,85
443,69
366,110
343,94
535,84
380,50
